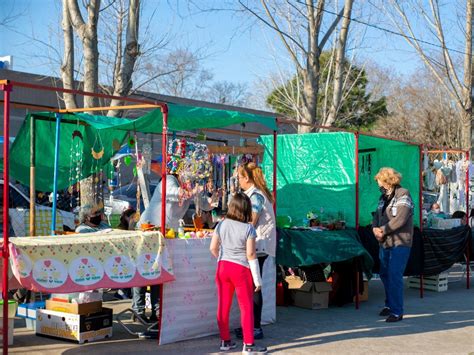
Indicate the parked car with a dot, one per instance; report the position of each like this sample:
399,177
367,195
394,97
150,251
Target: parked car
18,199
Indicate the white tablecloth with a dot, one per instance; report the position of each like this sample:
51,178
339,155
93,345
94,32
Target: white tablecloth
190,302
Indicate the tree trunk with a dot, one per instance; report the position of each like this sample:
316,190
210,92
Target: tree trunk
67,67
467,128
339,65
88,35
123,81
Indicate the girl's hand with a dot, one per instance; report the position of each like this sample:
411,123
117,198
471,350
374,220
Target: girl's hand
258,288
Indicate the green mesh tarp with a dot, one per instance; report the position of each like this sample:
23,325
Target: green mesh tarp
304,248
316,172
375,153
81,133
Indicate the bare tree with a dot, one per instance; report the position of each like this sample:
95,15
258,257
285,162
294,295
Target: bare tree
420,110
228,93
298,24
339,65
441,63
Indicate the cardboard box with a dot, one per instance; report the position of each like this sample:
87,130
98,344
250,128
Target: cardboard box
365,295
311,295
74,308
10,330
74,327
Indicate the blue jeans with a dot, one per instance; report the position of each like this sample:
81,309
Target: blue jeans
392,266
138,299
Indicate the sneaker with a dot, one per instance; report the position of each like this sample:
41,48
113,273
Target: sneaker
394,318
385,312
253,349
227,345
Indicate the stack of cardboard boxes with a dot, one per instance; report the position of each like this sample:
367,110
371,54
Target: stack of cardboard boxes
79,322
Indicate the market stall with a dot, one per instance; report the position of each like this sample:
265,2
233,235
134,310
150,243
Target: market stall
83,146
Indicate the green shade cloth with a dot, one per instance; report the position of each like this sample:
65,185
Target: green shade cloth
317,172
305,247
101,132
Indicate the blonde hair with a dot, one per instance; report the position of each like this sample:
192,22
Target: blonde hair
255,175
388,176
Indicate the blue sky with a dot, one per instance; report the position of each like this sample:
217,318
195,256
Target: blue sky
234,54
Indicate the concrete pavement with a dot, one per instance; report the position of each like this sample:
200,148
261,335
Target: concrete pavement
440,323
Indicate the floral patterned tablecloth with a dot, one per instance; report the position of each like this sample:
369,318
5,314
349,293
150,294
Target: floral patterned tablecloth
80,262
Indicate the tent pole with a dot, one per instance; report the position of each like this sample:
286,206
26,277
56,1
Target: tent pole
356,135
468,251
32,176
7,88
275,146
420,202
164,158
55,178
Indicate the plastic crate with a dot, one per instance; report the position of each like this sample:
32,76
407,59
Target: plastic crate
437,283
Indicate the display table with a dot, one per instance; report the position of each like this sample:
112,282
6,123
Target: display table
306,247
80,262
189,304
443,248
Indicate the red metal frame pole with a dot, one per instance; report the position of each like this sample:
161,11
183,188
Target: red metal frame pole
356,135
164,158
468,251
275,146
420,207
6,187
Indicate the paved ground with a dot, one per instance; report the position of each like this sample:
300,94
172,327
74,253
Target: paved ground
440,323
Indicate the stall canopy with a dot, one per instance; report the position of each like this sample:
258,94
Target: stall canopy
86,134
316,172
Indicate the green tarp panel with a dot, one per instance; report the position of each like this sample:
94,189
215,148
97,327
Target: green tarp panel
185,118
100,132
375,153
92,132
305,247
316,172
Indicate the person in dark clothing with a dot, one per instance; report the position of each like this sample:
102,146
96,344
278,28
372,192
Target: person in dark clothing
393,228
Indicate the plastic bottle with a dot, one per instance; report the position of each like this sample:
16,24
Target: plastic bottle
181,229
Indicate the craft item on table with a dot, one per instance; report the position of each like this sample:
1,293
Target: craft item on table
171,234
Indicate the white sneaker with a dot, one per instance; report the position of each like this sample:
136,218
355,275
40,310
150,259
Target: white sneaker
227,345
254,350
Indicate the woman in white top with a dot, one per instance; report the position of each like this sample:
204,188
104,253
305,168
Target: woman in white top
253,184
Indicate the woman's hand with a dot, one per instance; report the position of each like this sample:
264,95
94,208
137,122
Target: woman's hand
378,233
258,288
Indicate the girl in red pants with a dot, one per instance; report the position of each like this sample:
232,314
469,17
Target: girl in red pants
233,243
